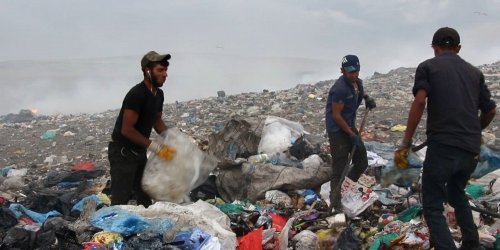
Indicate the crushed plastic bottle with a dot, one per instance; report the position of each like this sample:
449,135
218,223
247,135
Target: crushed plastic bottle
284,160
261,158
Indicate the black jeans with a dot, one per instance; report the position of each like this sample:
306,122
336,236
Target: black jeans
127,168
340,147
446,172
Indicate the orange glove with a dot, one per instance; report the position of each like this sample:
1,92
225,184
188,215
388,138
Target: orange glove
401,155
163,151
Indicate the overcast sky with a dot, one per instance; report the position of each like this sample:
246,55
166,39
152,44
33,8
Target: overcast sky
384,34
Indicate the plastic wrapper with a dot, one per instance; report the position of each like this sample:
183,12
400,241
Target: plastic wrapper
356,198
279,198
306,240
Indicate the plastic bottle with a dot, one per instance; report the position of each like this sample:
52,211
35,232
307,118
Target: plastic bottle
261,158
283,160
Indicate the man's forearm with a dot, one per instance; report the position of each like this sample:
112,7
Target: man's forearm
160,127
136,137
343,124
416,111
486,118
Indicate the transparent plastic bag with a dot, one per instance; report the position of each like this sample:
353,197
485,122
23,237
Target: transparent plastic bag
278,134
173,180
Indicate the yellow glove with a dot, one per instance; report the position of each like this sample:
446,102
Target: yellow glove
163,151
401,155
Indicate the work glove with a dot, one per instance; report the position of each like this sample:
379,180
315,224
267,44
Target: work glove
163,151
164,134
370,103
401,155
356,140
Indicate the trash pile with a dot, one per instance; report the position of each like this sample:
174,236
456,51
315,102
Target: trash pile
269,190
261,181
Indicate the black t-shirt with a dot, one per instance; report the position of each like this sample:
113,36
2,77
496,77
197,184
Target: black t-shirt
141,100
455,92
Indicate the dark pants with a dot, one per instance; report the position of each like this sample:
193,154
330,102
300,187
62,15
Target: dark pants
340,147
446,172
127,167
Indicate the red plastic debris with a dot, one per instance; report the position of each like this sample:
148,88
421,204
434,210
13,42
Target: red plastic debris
278,221
26,220
84,165
251,241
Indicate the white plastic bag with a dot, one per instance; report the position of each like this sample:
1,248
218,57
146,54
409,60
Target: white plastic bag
200,214
356,198
212,244
173,180
306,240
278,134
313,161
325,192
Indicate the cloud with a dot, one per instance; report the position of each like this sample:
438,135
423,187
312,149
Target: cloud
384,34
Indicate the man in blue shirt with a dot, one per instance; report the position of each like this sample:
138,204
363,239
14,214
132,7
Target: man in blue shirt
344,98
454,92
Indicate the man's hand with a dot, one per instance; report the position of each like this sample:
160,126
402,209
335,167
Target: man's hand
401,155
163,151
370,103
164,134
356,140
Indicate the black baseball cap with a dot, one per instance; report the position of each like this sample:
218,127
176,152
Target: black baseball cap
446,36
350,63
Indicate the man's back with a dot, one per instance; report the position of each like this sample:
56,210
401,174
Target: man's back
454,89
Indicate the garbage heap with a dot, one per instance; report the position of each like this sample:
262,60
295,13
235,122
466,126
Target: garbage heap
268,189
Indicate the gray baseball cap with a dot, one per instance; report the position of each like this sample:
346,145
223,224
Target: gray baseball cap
153,56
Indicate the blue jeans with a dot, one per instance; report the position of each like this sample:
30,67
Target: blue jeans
446,172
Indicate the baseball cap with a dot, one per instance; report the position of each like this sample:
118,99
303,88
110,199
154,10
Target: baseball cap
350,63
446,36
153,56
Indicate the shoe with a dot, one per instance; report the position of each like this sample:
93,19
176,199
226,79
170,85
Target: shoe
335,211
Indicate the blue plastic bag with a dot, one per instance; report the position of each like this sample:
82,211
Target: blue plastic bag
309,196
489,161
190,239
19,210
390,174
118,220
159,225
79,205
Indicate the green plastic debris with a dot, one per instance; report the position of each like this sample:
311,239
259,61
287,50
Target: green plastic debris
48,135
384,239
497,242
475,190
408,214
230,208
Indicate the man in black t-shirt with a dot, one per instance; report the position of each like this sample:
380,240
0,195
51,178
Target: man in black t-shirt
455,92
141,111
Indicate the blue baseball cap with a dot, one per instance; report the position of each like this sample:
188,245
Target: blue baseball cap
350,63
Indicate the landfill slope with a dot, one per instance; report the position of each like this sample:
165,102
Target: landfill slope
22,146
56,166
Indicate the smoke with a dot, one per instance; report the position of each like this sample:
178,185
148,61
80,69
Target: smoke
96,85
